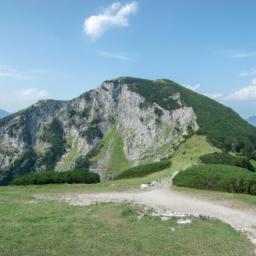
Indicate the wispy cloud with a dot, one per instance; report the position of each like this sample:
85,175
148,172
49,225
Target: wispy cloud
14,100
193,87
31,94
8,72
115,15
251,72
111,55
242,54
245,93
213,95
197,87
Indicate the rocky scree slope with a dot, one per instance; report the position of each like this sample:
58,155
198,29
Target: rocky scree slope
122,123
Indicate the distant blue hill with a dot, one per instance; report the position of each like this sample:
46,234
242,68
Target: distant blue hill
3,113
252,120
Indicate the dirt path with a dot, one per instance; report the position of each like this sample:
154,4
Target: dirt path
164,198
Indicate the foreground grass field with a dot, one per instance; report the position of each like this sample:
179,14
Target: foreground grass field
44,228
36,228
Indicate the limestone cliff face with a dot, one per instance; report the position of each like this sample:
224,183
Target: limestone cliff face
107,130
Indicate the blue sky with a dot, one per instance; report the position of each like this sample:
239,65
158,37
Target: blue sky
60,49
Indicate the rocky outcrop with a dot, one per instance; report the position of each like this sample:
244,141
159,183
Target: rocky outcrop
107,130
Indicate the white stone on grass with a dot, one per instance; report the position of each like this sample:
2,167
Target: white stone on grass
184,221
143,186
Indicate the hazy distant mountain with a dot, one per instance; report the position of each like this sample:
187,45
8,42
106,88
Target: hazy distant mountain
122,123
252,120
3,113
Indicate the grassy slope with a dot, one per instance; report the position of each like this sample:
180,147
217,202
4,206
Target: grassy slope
117,161
70,158
49,228
189,152
113,143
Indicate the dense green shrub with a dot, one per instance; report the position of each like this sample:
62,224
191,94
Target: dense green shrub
42,178
225,158
143,170
218,177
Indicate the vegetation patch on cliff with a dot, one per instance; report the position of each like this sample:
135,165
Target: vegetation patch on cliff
111,148
52,133
117,161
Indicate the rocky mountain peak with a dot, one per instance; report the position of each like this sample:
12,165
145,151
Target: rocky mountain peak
91,131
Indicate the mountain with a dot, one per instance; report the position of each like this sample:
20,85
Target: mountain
122,123
3,113
252,120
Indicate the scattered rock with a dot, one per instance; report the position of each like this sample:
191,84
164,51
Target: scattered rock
144,186
152,184
164,218
155,214
140,216
155,183
184,221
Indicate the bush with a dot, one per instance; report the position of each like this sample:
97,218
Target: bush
128,211
218,177
143,170
224,158
57,178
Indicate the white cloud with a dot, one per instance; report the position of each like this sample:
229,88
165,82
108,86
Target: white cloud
111,55
250,72
14,100
214,95
246,93
7,71
242,54
193,87
115,15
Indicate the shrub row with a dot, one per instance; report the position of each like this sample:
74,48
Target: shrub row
57,177
143,170
218,177
225,158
